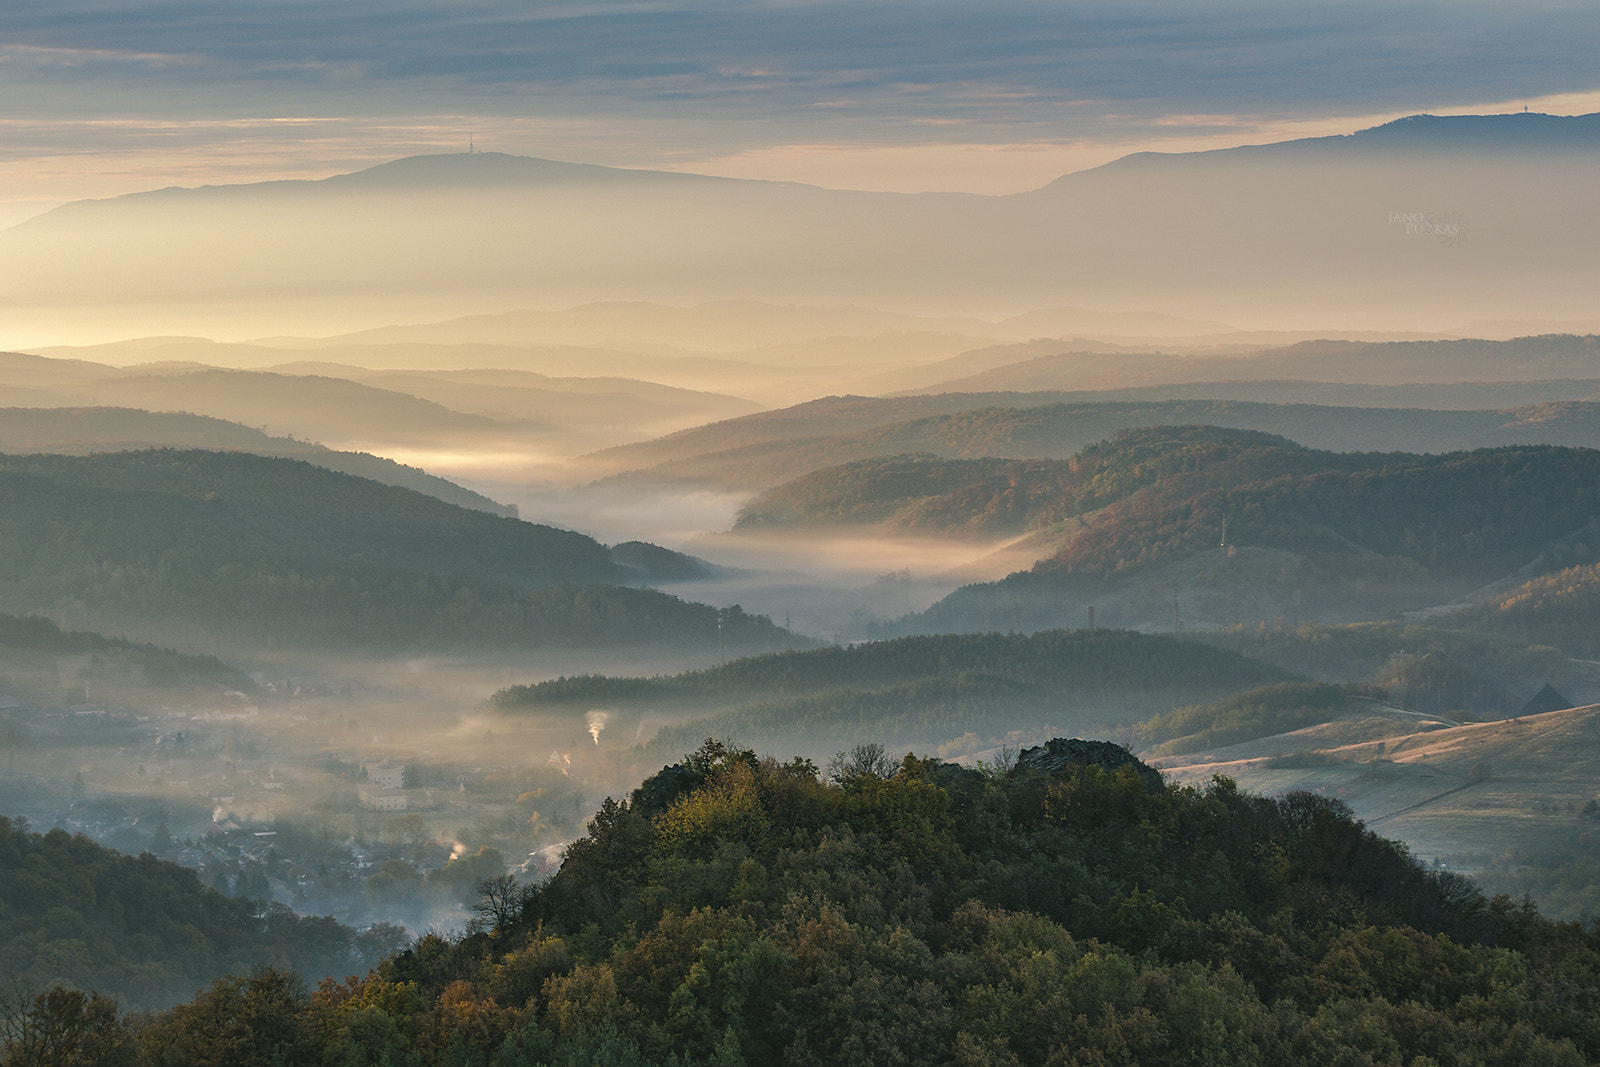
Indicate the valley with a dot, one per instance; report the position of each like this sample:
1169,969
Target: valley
367,614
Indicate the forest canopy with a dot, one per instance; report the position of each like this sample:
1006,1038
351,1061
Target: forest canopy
741,910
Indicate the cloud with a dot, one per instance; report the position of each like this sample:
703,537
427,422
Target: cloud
651,83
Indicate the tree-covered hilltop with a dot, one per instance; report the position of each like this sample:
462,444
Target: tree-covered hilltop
1147,495
1262,712
30,637
1065,910
1562,608
145,931
82,431
1475,515
1245,532
1440,670
987,496
210,549
756,451
913,691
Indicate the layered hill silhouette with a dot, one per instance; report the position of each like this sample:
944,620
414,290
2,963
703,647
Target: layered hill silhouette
1168,526
755,451
966,691
1323,362
209,550
587,386
144,931
1460,213
83,431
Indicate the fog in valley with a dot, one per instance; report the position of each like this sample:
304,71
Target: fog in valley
651,458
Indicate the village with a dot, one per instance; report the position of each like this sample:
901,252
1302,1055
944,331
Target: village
360,835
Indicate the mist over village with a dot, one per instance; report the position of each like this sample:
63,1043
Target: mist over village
692,533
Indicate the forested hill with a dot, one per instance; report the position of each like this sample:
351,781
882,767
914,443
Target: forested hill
81,431
1478,515
756,451
1246,530
996,497
971,690
145,931
1067,910
1176,469
1560,608
208,549
36,642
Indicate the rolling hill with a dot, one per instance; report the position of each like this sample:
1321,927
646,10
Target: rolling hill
755,451
209,550
967,692
144,931
1463,791
1255,530
1522,359
1463,673
83,431
1560,608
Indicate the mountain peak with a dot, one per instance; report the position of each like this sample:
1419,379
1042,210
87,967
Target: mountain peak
498,169
1518,130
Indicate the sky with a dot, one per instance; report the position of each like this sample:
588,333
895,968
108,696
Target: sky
102,97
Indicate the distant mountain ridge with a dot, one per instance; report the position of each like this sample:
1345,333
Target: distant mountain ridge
1517,132
1292,231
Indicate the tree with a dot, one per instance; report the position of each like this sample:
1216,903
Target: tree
867,760
65,1028
500,903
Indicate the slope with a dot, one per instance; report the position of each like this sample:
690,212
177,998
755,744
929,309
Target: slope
82,431
1449,789
203,548
145,931
1257,530
1507,226
1557,356
970,691
754,451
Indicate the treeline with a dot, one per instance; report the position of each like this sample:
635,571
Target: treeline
883,487
1560,609
81,431
914,692
160,666
1470,515
1089,660
1432,669
756,451
220,507
925,493
206,549
1147,496
145,931
922,714
735,910
1262,712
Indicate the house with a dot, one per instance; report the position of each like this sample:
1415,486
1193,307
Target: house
379,799
382,774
